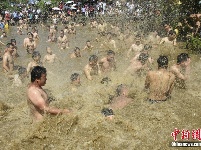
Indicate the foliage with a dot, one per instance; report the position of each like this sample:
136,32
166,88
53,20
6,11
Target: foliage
194,44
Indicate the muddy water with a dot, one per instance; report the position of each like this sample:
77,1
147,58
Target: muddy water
138,126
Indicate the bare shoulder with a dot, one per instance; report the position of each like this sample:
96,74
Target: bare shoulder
103,59
172,76
87,67
174,68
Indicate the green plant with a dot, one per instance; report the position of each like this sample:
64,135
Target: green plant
194,44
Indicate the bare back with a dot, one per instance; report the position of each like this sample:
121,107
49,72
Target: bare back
160,84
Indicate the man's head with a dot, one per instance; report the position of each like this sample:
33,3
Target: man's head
88,43
49,51
93,59
143,57
166,26
122,89
77,52
162,62
75,78
182,59
22,72
36,55
172,35
30,36
147,47
62,33
110,55
38,75
13,41
10,47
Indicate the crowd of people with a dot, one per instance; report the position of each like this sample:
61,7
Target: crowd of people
159,82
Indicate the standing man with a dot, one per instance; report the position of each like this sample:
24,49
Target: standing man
160,82
38,98
8,62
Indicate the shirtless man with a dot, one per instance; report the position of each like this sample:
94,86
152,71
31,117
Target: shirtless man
14,53
136,47
138,64
8,62
122,99
160,83
36,62
76,53
92,68
49,57
51,37
29,44
118,102
108,63
75,81
171,39
19,77
35,34
38,98
63,41
93,23
110,43
88,47
181,69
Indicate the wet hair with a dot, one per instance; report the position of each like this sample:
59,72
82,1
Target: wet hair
105,80
107,112
74,76
76,48
29,33
37,72
13,40
138,36
182,57
171,32
143,57
110,52
21,70
147,47
119,89
9,44
93,58
162,62
35,54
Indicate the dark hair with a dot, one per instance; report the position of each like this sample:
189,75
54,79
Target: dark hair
171,32
110,52
143,57
87,41
119,89
77,48
21,70
13,40
182,57
162,62
93,58
147,47
37,72
29,33
74,76
35,54
9,44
